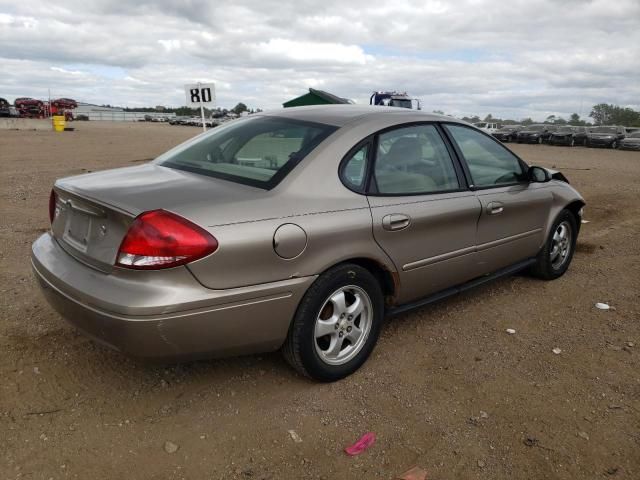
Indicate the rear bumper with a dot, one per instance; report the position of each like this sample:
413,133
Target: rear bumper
165,314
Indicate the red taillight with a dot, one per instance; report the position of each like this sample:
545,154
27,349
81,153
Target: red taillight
161,239
52,205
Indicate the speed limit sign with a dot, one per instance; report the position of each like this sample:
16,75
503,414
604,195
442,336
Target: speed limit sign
199,95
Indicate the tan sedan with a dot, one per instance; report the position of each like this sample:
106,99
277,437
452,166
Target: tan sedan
298,230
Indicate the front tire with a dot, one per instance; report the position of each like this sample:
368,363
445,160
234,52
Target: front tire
614,145
556,255
337,324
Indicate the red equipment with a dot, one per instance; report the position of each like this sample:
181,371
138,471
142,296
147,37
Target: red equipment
63,106
32,108
29,107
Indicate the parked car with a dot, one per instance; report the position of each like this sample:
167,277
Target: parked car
606,136
177,120
535,133
4,108
508,133
569,136
298,230
489,127
630,142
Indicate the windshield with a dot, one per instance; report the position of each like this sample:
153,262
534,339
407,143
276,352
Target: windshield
400,103
565,130
257,151
604,130
535,128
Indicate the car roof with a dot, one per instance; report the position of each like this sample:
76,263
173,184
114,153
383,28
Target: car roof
340,115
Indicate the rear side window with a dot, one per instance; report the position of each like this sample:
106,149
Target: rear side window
490,164
354,170
413,160
258,151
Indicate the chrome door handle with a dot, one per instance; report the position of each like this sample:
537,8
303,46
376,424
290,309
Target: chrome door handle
396,221
494,208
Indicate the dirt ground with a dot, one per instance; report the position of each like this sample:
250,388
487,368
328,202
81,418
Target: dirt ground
446,388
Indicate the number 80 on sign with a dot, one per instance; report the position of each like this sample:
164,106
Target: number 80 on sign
199,94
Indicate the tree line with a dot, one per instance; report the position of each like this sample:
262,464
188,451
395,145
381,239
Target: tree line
601,114
192,112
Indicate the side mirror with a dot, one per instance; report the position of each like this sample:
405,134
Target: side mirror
539,174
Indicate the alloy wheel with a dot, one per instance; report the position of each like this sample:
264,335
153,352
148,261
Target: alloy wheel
560,245
343,325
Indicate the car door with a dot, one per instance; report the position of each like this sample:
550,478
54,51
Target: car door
513,211
424,217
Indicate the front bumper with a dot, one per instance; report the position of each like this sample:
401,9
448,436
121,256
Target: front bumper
600,142
165,314
502,137
629,146
560,140
528,139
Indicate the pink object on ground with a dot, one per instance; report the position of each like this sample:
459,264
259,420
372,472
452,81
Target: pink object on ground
361,445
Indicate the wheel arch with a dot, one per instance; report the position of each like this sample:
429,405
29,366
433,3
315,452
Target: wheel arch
389,280
575,207
572,202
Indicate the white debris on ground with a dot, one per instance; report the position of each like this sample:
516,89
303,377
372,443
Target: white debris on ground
296,438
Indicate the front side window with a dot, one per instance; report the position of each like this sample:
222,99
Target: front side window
258,151
413,160
490,164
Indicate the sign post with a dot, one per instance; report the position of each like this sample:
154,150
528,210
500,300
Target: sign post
198,95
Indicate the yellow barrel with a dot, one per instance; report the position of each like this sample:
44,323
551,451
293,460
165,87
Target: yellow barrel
58,123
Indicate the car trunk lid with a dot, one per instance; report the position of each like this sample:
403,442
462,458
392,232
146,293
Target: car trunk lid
88,230
95,210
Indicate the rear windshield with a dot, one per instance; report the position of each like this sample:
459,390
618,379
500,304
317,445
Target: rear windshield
535,128
257,151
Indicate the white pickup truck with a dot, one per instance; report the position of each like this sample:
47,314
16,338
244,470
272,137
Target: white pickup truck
488,127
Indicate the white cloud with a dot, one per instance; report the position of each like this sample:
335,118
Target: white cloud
518,58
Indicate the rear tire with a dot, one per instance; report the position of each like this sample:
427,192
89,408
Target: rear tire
337,324
556,255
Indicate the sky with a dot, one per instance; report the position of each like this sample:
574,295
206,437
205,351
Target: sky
514,58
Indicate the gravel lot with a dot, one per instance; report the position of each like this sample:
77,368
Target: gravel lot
446,389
